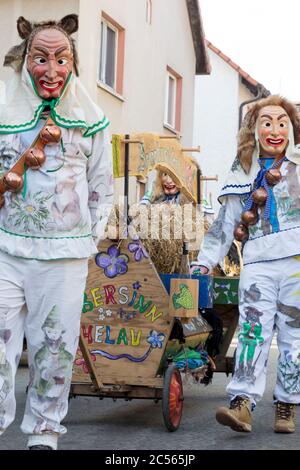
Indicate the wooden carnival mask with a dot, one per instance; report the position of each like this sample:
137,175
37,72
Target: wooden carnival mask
169,187
273,131
50,52
50,62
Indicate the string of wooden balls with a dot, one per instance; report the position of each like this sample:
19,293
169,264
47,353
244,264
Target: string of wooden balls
259,196
33,157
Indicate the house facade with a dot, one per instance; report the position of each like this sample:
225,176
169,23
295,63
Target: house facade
138,58
221,100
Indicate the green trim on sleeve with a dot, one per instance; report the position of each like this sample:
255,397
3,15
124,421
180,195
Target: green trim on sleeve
44,238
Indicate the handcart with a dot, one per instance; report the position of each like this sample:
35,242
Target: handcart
133,343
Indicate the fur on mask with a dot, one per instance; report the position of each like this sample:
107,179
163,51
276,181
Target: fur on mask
246,136
16,55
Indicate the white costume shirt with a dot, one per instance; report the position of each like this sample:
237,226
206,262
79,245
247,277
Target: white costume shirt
264,244
63,207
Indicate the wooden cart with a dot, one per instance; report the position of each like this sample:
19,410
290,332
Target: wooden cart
128,337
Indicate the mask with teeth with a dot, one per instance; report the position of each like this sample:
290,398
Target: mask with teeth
50,62
49,53
273,130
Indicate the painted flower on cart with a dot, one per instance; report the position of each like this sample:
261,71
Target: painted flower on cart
156,339
113,262
139,251
81,362
101,314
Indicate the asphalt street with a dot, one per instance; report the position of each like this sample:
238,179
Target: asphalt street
108,425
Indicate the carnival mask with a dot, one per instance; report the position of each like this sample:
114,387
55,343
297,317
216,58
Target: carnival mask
168,185
273,131
50,62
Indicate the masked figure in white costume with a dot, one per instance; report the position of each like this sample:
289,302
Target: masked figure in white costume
51,218
261,207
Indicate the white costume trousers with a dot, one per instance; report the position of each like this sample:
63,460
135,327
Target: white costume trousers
43,299
269,301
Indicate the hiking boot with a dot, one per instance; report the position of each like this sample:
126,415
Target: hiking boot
284,417
237,416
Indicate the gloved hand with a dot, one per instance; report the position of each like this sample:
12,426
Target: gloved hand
199,269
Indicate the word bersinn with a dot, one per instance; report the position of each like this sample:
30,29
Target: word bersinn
122,296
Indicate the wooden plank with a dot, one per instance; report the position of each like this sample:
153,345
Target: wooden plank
89,363
125,323
130,392
138,380
80,370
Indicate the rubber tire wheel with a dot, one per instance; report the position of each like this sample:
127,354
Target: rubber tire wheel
172,399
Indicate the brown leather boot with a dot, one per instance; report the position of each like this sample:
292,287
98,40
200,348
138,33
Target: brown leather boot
237,416
285,417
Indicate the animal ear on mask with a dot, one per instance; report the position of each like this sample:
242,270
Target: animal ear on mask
24,27
15,57
69,23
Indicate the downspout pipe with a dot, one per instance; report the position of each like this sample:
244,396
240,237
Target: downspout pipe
261,92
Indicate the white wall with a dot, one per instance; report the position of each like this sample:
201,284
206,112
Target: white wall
2,92
217,100
148,51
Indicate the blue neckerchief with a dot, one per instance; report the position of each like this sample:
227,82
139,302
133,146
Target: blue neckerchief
270,212
170,197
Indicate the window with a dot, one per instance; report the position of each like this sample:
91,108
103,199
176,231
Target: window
108,54
173,100
112,54
149,11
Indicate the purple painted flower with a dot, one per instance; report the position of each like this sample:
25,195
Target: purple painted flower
156,339
113,262
136,285
138,250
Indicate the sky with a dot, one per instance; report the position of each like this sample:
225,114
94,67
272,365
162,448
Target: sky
261,36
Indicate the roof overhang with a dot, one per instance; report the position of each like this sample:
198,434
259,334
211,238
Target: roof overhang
202,60
253,85
255,89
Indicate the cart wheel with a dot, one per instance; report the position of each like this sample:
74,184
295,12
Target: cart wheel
172,400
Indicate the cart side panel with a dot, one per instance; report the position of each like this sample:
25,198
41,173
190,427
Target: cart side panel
125,322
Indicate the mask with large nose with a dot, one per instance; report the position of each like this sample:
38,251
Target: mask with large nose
50,62
273,131
168,184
